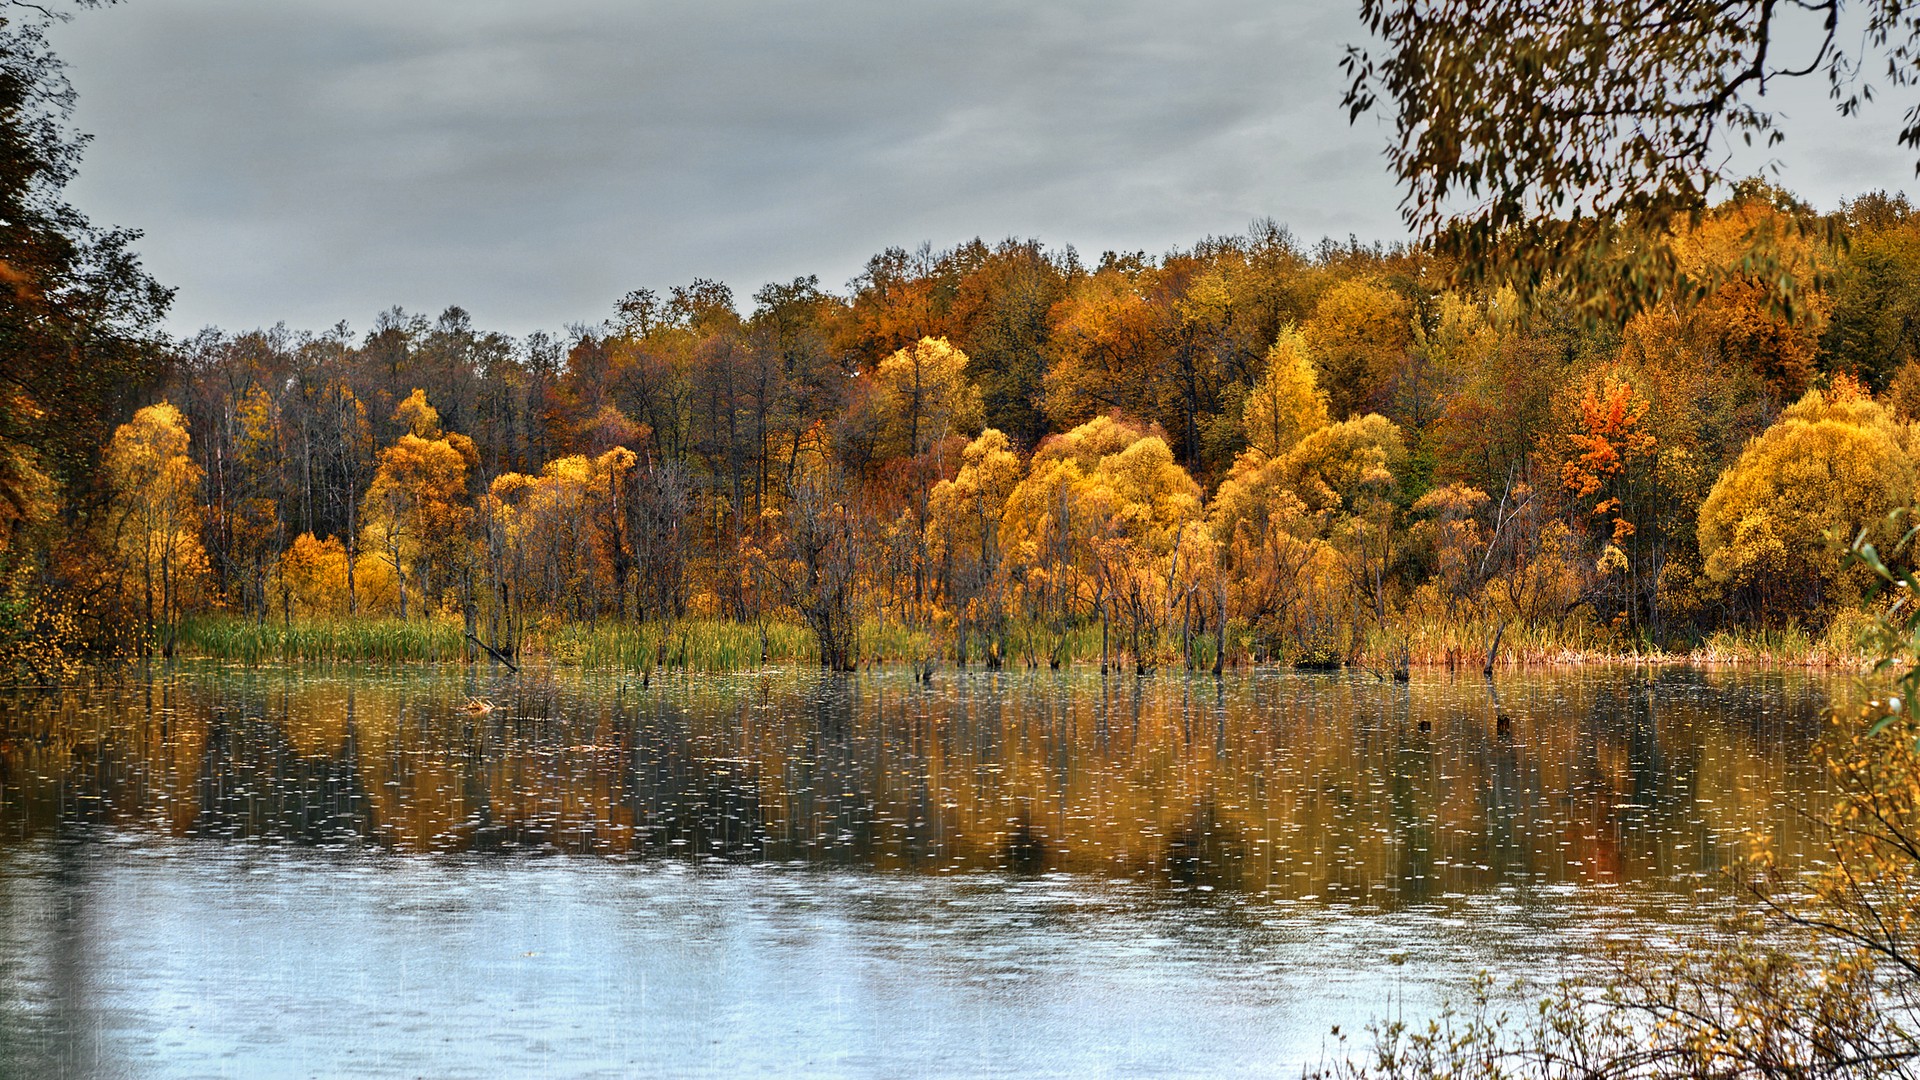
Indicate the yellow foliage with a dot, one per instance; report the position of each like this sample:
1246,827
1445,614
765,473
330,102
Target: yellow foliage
927,394
1544,587
1103,508
1833,463
964,512
1287,403
1740,254
416,506
1359,334
422,419
1332,467
1143,493
1106,340
313,576
1253,497
1451,531
156,534
376,586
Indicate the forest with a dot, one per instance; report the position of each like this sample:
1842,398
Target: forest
1249,450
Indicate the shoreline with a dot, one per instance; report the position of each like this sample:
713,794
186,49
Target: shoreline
714,646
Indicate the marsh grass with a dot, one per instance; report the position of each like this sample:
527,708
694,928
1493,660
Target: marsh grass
718,645
1461,644
321,640
705,645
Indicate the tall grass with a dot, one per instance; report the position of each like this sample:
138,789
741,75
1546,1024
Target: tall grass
716,645
1464,643
322,640
705,645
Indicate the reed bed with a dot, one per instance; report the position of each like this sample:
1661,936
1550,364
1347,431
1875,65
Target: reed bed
704,645
321,640
720,646
1466,645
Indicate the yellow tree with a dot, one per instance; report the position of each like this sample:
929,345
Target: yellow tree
156,530
1451,340
964,535
1287,403
1109,348
1101,513
1450,530
924,395
1903,393
1269,546
416,504
1042,523
1835,461
499,517
1359,335
1138,504
1339,466
927,394
312,574
551,535
1289,526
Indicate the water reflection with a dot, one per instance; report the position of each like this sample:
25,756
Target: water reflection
1291,787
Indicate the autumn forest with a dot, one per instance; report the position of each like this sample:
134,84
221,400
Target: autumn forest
1252,449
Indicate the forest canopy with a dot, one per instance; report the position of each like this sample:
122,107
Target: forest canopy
1249,449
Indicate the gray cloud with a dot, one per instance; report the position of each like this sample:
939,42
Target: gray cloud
313,161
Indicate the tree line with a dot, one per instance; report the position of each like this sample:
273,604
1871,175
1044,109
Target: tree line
1271,449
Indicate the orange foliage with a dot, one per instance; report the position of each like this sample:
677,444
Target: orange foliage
1611,436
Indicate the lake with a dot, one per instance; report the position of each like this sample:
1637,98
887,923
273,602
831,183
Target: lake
333,871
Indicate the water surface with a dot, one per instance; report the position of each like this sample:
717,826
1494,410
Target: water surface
331,871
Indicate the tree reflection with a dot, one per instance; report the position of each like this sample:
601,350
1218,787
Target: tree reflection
1285,786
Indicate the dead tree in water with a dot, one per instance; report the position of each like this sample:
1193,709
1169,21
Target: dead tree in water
1494,650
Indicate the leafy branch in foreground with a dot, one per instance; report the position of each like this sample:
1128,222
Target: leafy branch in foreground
1531,136
1896,632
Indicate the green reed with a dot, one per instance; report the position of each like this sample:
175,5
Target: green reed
324,640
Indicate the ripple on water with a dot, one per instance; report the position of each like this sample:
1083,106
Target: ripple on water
293,873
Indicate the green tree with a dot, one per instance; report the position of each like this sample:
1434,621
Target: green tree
1875,328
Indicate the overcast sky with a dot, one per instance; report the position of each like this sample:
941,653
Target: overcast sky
309,161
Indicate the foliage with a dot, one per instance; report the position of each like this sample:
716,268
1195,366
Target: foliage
1359,335
1242,451
1560,143
78,314
1287,403
1834,459
154,533
927,394
417,501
